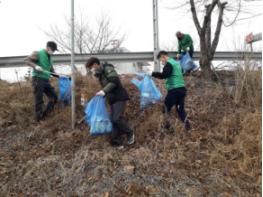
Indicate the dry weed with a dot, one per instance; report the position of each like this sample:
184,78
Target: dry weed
222,156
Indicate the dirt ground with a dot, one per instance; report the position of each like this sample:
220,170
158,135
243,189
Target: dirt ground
221,157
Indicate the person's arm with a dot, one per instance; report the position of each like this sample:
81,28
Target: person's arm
52,69
113,80
32,59
55,75
188,42
167,71
179,47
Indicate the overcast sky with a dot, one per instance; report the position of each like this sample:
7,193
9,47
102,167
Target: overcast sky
22,23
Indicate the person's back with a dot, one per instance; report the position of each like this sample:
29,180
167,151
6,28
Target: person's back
176,79
185,43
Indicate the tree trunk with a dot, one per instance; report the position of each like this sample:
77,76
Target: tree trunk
205,60
205,65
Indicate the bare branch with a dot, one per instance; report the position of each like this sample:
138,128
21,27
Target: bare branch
176,7
237,14
218,28
87,39
196,21
208,37
254,16
59,37
207,18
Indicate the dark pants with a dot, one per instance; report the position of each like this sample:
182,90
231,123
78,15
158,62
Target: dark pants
176,97
191,52
41,86
119,124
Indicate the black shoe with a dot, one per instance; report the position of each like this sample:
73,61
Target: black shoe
116,143
39,116
131,138
187,126
49,108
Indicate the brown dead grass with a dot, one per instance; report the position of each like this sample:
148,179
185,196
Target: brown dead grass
222,156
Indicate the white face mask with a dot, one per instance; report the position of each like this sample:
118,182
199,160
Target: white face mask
163,60
93,71
50,52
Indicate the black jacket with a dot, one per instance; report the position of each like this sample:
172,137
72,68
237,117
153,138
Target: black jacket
111,84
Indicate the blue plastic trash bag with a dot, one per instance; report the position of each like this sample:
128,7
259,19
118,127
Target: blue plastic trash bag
187,63
64,89
97,116
149,93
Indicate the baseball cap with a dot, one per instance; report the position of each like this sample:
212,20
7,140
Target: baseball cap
52,45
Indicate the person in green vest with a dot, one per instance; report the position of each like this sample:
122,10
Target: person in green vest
175,86
116,96
185,43
41,62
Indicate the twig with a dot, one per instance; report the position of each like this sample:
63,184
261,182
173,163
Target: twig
119,188
18,81
81,120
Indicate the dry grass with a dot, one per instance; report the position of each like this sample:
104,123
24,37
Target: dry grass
248,88
222,156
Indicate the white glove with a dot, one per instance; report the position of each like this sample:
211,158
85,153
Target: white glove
38,68
188,49
178,56
100,93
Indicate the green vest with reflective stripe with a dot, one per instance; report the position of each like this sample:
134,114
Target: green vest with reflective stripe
44,62
176,80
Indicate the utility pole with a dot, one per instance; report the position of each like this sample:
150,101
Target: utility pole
155,35
73,107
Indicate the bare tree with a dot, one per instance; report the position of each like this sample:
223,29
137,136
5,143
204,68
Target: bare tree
96,38
207,45
227,13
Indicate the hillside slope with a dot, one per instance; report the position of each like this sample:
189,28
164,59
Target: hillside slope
222,156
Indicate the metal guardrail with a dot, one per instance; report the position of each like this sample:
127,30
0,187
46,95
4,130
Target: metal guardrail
18,61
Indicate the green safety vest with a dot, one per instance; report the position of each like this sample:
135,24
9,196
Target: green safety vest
44,62
176,80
